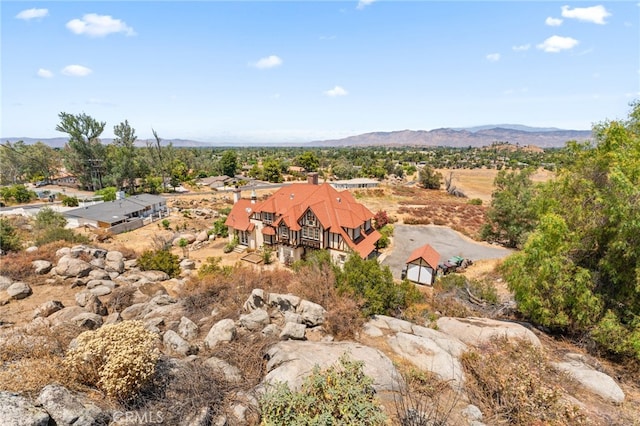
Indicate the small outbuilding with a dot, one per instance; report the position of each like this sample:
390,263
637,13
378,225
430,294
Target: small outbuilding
422,265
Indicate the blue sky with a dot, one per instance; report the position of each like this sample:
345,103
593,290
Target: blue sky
289,71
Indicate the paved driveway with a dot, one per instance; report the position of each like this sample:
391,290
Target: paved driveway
446,241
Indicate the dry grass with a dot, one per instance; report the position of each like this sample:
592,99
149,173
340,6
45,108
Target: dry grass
513,383
17,265
31,358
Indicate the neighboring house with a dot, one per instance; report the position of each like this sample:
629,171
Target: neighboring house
355,183
120,215
65,180
215,182
302,217
422,265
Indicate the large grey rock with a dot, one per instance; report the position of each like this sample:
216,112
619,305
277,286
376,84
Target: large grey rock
187,264
427,354
65,315
114,262
312,313
90,301
69,266
477,331
5,282
173,342
292,360
88,320
292,330
284,302
19,290
16,410
230,372
99,274
593,380
67,409
222,331
393,324
187,329
256,299
134,311
154,276
101,290
47,308
255,320
202,236
41,267
105,283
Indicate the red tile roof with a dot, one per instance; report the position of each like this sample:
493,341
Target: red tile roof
336,211
239,216
427,253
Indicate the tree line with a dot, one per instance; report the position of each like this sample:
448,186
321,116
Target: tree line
157,165
578,270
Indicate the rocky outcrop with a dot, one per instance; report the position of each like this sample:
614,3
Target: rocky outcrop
17,410
591,379
291,361
19,290
477,331
68,409
68,267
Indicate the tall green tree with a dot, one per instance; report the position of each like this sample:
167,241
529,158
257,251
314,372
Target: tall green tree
229,163
308,160
512,215
84,155
595,206
429,178
125,169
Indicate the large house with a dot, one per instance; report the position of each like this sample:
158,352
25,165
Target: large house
301,217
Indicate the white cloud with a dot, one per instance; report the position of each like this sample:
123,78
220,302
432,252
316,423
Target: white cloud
555,44
32,14
268,62
493,57
594,14
95,25
553,22
336,91
364,3
44,73
76,71
521,48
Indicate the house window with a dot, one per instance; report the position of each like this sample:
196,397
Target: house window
284,231
311,233
356,234
310,218
243,238
267,217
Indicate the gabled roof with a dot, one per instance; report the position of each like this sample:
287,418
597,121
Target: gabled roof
426,253
336,211
239,216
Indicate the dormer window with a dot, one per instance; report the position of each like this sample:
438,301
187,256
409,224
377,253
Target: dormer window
267,217
310,219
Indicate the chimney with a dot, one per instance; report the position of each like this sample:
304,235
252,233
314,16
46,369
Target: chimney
312,178
236,195
254,197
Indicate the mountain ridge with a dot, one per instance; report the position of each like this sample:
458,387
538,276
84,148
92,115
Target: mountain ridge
477,136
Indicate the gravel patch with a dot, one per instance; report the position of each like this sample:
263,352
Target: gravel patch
445,241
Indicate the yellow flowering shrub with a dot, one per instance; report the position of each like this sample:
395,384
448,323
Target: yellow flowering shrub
117,358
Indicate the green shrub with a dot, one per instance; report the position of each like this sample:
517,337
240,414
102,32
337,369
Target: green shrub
340,395
120,359
160,260
368,280
165,223
475,202
9,240
61,234
47,218
70,201
267,255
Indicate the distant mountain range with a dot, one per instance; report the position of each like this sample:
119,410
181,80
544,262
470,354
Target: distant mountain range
462,137
475,137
